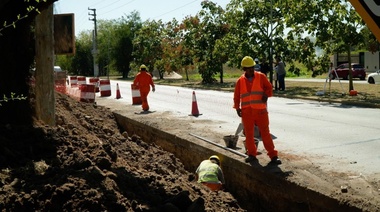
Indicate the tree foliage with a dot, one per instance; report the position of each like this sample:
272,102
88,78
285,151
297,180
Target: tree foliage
257,30
172,49
335,25
122,49
202,35
147,44
83,62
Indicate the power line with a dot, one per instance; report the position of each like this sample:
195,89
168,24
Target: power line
110,4
117,7
175,9
135,0
101,1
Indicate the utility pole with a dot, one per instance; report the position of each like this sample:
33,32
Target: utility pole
94,44
45,100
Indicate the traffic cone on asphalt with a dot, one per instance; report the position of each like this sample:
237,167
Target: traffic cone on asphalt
194,107
118,95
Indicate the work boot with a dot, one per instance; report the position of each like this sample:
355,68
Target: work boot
275,160
251,159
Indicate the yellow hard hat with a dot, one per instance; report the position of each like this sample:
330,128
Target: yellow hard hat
143,67
247,62
215,157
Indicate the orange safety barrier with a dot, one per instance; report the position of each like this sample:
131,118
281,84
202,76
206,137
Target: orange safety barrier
136,97
73,92
95,81
81,80
60,85
105,87
73,80
87,93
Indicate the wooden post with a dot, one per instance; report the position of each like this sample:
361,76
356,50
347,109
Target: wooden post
45,99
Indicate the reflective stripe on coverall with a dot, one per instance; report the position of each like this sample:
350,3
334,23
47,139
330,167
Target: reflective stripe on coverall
254,111
144,81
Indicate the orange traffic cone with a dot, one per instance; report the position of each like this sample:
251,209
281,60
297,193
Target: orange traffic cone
194,108
118,95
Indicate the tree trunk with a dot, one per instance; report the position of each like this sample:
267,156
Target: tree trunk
45,100
221,73
351,84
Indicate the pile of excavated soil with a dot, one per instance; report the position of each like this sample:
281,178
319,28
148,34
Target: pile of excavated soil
86,164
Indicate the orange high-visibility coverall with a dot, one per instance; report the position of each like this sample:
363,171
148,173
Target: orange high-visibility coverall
144,80
248,97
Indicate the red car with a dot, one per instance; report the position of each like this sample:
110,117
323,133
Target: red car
358,71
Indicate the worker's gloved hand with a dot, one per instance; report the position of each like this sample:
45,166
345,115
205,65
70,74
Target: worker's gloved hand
238,111
154,89
264,98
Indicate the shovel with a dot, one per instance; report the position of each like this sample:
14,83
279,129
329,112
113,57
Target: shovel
239,129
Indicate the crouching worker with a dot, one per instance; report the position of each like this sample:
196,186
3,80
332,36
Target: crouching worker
210,174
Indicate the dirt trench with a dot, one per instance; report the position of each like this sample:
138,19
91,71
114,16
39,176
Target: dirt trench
256,187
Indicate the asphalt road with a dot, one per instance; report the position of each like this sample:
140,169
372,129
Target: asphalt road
336,137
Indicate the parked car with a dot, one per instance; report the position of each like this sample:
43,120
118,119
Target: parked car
59,73
374,78
358,71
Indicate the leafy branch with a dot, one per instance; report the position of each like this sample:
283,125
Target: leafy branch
20,17
13,97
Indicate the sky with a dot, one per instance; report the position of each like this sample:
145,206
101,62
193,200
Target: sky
165,10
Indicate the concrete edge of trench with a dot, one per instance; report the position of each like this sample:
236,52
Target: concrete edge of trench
255,188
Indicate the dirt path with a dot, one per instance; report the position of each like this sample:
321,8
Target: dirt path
86,164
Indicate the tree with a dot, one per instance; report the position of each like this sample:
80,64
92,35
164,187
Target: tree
82,61
147,44
335,25
122,49
257,30
202,33
171,49
106,45
370,42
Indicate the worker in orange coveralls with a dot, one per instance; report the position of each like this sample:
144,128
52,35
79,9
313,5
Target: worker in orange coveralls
144,80
252,90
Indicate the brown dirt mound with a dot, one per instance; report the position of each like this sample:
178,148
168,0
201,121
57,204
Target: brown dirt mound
86,164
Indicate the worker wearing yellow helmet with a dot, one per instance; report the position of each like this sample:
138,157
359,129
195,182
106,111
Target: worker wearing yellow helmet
210,174
251,93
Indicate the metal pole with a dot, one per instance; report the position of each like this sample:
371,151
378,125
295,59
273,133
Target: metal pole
95,48
218,145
